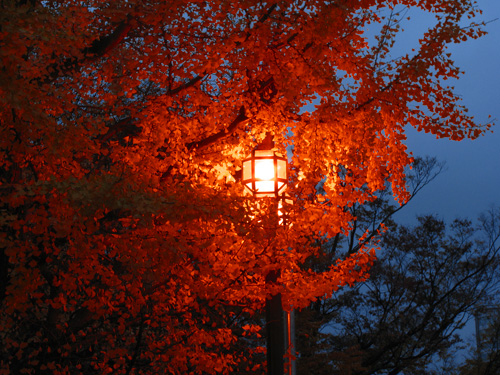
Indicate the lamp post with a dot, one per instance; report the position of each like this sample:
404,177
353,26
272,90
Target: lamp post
265,174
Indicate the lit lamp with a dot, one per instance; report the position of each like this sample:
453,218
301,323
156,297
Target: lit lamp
265,173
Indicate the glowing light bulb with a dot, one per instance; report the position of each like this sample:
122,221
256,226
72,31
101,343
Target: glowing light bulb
264,174
264,169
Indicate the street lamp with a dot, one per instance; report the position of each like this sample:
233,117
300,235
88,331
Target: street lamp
265,174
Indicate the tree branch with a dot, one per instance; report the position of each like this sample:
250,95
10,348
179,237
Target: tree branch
105,44
241,118
138,341
98,48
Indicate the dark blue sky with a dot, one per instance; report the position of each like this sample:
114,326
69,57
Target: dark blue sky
471,183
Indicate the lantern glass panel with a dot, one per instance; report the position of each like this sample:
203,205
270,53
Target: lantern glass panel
264,186
282,169
264,154
247,169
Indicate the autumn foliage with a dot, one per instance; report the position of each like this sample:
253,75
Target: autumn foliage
127,242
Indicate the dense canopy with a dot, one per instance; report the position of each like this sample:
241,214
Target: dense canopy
127,242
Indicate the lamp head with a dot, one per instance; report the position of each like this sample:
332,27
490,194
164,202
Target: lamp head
265,173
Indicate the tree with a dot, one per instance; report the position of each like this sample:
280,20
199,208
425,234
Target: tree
126,244
484,359
426,284
371,220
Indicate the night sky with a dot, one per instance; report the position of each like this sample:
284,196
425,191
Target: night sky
471,183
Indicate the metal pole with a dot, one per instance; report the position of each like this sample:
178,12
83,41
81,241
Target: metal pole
288,342
275,329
